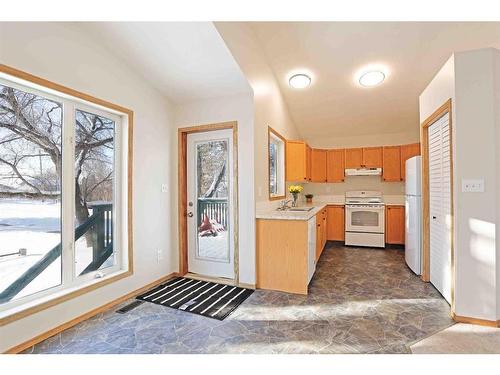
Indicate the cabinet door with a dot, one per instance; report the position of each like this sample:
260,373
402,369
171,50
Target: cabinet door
318,163
325,228
372,157
296,161
353,157
391,169
319,235
408,151
308,163
395,225
335,223
335,165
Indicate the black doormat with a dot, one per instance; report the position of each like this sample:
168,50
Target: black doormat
205,298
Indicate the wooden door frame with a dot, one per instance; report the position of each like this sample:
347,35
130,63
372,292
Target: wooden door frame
424,136
182,134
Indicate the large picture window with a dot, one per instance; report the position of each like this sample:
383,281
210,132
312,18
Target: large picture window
63,193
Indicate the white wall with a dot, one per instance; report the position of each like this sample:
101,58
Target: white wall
469,79
62,54
475,157
270,107
368,140
496,99
235,108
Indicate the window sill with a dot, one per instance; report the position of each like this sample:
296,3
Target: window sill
32,307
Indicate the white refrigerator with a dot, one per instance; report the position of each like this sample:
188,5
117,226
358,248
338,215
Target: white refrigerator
413,220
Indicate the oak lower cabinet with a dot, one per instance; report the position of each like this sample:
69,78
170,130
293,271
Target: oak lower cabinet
321,231
286,254
395,225
336,223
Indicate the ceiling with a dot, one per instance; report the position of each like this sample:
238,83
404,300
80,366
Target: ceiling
334,105
185,61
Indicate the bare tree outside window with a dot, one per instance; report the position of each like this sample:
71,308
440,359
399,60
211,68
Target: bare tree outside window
30,185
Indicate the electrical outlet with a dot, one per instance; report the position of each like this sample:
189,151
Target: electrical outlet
164,188
472,186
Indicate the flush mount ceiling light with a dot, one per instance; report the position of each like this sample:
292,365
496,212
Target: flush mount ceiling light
371,75
299,81
371,78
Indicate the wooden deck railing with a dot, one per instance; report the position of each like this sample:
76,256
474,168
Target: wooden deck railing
102,248
214,208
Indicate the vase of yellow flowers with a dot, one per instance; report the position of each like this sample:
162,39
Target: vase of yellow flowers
295,191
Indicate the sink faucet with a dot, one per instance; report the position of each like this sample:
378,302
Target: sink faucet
284,204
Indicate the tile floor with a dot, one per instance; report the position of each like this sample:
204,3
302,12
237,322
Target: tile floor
360,301
461,339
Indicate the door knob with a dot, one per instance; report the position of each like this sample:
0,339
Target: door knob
190,214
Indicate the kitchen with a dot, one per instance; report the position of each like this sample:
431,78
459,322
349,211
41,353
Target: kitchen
291,241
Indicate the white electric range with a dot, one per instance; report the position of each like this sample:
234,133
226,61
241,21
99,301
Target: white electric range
364,218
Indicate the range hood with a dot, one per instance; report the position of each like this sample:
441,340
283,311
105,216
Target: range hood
363,172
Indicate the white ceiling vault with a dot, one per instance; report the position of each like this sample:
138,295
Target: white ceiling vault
334,106
186,61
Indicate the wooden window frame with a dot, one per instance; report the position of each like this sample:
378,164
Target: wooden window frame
52,88
271,131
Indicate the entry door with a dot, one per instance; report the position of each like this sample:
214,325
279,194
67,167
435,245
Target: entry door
440,205
210,217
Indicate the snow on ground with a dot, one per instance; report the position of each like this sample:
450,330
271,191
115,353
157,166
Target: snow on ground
214,247
34,226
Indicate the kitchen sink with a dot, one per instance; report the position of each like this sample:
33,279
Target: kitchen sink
300,209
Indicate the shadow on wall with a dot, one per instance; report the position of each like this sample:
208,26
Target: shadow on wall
482,249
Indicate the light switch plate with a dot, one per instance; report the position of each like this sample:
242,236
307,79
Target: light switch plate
164,188
472,186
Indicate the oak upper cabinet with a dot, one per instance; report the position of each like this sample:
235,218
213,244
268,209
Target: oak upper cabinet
407,152
318,165
366,157
372,157
395,225
308,162
353,157
391,160
335,223
297,161
335,165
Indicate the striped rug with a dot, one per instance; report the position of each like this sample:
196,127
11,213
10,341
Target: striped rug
205,298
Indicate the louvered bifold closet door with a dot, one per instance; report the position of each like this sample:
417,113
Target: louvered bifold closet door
440,206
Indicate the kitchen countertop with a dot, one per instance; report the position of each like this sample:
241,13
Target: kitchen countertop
319,204
273,214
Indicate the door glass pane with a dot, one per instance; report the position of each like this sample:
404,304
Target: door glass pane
30,193
364,218
212,186
94,192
